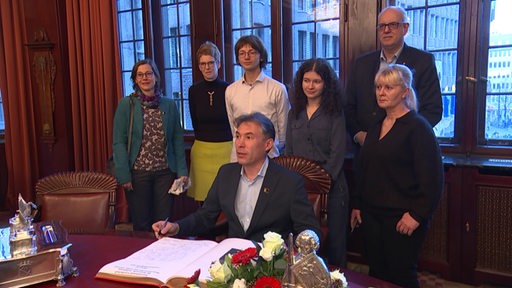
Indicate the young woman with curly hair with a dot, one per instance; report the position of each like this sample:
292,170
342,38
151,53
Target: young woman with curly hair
316,130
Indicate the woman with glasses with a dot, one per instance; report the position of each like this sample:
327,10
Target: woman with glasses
212,144
399,183
148,147
316,130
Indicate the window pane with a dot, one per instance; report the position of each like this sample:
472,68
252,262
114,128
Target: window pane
127,83
498,104
184,16
329,33
435,2
173,84
170,20
177,49
303,11
250,13
125,26
187,120
446,62
303,41
315,30
499,70
128,5
416,35
131,38
446,127
327,10
498,117
185,46
443,23
435,29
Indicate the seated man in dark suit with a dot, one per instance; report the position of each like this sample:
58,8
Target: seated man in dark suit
362,111
256,194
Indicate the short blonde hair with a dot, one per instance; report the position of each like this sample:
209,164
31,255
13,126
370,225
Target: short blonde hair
396,74
209,49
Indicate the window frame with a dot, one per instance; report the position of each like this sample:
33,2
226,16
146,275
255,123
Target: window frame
472,61
153,39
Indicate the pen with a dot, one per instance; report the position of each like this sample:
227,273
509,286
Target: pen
163,225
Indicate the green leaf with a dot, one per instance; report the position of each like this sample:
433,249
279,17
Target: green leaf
280,264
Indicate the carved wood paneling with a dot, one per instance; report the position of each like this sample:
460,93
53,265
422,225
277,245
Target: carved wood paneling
435,246
44,69
494,229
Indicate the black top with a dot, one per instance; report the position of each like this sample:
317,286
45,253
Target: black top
402,172
209,117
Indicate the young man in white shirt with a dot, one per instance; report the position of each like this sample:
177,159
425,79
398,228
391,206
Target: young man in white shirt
257,92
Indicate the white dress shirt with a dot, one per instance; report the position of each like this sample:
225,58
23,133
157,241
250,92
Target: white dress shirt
266,96
247,195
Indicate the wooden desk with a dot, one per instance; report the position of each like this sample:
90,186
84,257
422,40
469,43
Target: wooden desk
91,252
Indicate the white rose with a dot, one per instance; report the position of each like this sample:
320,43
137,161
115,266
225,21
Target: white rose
337,276
266,254
220,272
273,241
239,283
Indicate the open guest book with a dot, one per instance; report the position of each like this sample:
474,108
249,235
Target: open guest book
170,260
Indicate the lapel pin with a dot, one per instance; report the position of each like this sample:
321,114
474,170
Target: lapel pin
266,190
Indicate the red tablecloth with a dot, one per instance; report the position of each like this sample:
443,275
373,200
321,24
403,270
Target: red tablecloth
91,252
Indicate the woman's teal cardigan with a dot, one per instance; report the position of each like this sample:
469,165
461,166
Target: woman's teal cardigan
173,137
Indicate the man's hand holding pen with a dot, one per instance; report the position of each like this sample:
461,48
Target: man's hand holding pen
165,228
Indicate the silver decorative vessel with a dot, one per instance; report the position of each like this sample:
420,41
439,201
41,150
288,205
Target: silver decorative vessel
33,253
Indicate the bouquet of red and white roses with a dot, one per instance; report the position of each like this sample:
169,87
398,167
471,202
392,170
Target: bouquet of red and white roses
252,267
262,266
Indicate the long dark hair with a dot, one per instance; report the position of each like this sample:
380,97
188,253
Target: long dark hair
331,101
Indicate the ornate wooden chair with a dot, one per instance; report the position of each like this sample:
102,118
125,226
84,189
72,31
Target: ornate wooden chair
317,181
84,202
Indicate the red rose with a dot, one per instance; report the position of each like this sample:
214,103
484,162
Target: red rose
193,278
267,282
243,257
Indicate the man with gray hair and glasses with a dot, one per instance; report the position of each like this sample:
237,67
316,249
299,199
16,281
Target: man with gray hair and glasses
361,109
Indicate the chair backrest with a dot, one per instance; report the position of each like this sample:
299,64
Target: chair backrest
84,202
317,181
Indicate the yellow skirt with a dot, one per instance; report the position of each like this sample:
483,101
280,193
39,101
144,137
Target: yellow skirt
205,161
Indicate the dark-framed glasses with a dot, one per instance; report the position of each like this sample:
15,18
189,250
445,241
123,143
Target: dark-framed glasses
148,75
207,64
250,53
391,26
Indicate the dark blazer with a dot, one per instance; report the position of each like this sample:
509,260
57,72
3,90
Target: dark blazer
282,206
362,111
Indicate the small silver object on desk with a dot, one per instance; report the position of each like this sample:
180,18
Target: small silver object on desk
33,253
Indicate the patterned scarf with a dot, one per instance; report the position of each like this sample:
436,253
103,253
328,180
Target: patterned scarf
150,101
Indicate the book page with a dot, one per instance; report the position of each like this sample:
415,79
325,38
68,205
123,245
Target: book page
170,257
160,260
